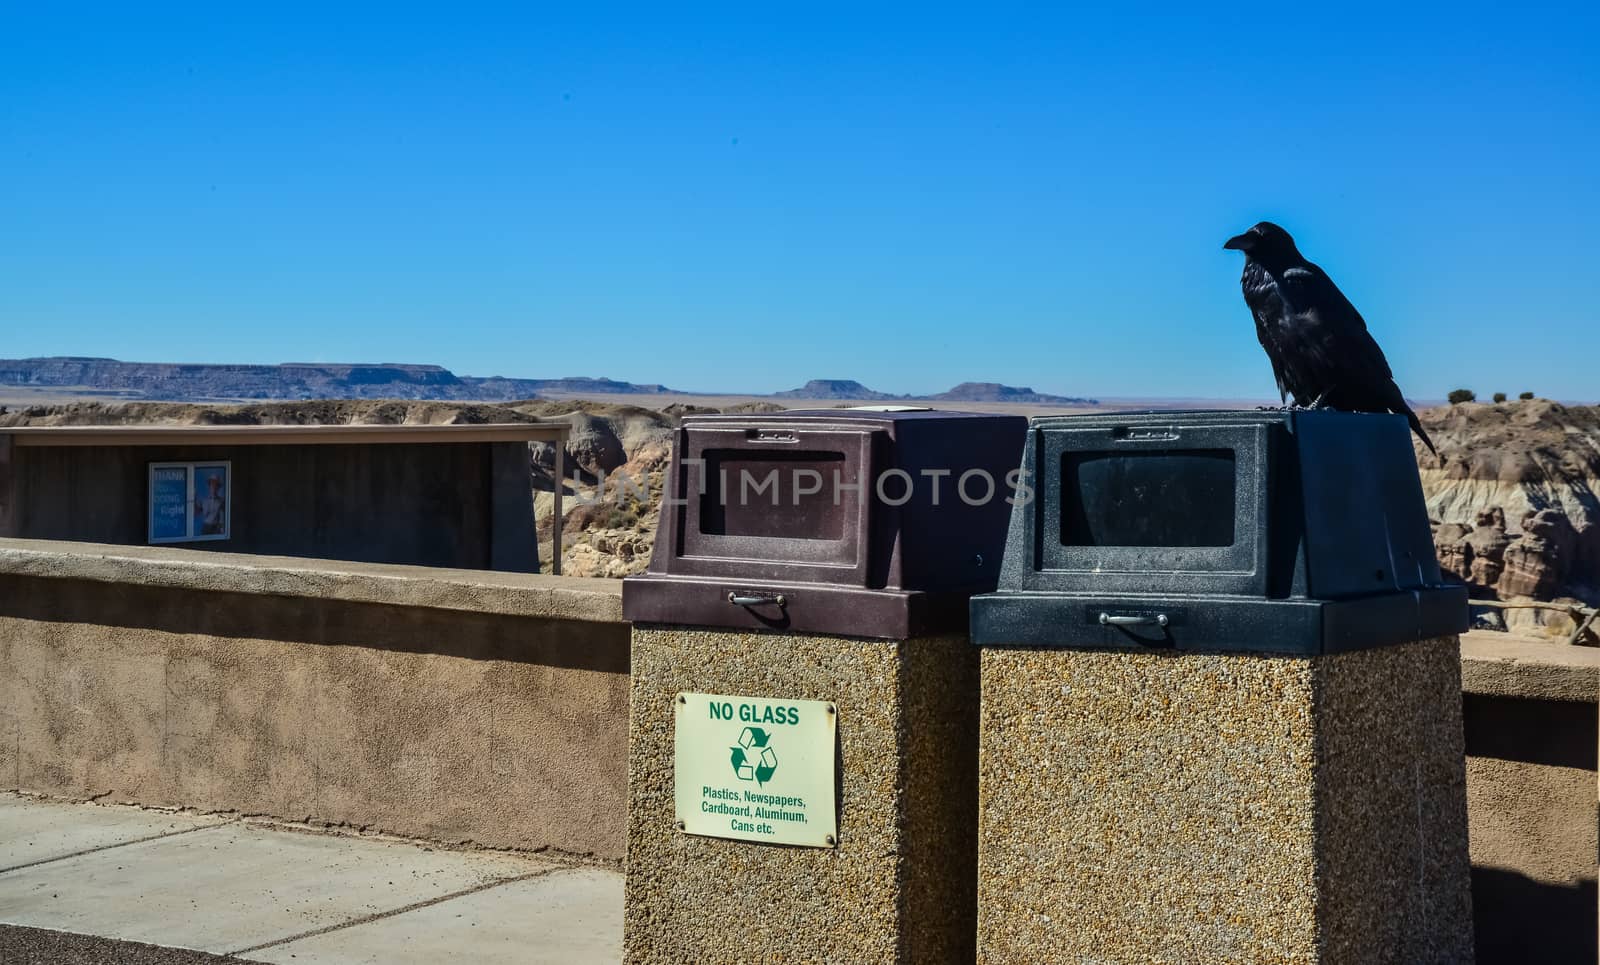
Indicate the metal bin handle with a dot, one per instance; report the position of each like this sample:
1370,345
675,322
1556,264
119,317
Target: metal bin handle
1107,620
738,599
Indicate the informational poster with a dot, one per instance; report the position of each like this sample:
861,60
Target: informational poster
756,769
169,503
190,501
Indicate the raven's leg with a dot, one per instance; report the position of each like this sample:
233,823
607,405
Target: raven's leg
1297,406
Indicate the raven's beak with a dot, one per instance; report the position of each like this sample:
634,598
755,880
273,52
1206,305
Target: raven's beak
1240,242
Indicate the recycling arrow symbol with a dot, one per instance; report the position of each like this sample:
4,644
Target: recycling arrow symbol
752,758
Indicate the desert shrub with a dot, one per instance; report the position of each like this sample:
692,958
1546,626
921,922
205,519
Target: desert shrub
1525,396
1458,396
620,517
1499,396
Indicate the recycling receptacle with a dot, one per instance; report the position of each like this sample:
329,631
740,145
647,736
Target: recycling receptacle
1221,713
802,756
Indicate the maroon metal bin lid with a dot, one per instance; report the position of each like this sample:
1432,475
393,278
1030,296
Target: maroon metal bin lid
864,522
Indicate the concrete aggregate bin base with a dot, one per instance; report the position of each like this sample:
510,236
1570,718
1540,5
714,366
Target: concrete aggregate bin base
899,885
1146,806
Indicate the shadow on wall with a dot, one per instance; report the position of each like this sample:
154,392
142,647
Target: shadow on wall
1519,920
1550,733
1531,771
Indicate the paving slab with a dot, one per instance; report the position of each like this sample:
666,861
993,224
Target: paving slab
238,886
32,831
570,917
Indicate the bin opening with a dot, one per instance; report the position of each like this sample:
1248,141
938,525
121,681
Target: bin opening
773,495
1162,498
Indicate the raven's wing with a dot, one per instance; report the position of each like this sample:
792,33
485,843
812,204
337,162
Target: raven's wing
1264,335
1266,306
1332,336
1332,340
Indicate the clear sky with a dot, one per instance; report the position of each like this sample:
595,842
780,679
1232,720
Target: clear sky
742,197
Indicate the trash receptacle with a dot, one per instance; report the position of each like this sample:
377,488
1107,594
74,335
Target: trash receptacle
803,721
1221,713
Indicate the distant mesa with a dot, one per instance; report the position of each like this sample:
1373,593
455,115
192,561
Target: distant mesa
300,381
849,389
174,382
834,389
579,384
995,392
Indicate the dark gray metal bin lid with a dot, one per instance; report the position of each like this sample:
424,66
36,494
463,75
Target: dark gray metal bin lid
1210,624
1271,531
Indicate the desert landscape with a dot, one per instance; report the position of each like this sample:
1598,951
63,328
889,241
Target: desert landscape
1511,492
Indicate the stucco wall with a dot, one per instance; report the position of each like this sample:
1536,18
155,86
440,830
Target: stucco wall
475,706
430,703
1529,710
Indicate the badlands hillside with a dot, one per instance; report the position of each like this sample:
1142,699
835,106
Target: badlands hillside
1512,492
1513,496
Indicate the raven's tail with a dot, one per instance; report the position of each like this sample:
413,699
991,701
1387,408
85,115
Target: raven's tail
1416,427
1398,405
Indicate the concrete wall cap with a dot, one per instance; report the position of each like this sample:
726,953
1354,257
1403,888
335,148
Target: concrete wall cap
1504,665
480,591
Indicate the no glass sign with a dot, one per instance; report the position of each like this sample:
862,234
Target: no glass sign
756,768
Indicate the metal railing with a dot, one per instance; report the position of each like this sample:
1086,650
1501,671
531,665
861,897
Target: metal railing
1583,616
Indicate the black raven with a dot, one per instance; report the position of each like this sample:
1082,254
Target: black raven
1321,351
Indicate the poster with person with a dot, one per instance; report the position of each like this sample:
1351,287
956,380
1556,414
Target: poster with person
210,501
190,501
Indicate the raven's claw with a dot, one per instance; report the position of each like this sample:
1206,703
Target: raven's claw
1317,406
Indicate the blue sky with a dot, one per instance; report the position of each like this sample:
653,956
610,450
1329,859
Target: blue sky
739,198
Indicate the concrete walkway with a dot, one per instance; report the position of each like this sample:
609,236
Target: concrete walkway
266,894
